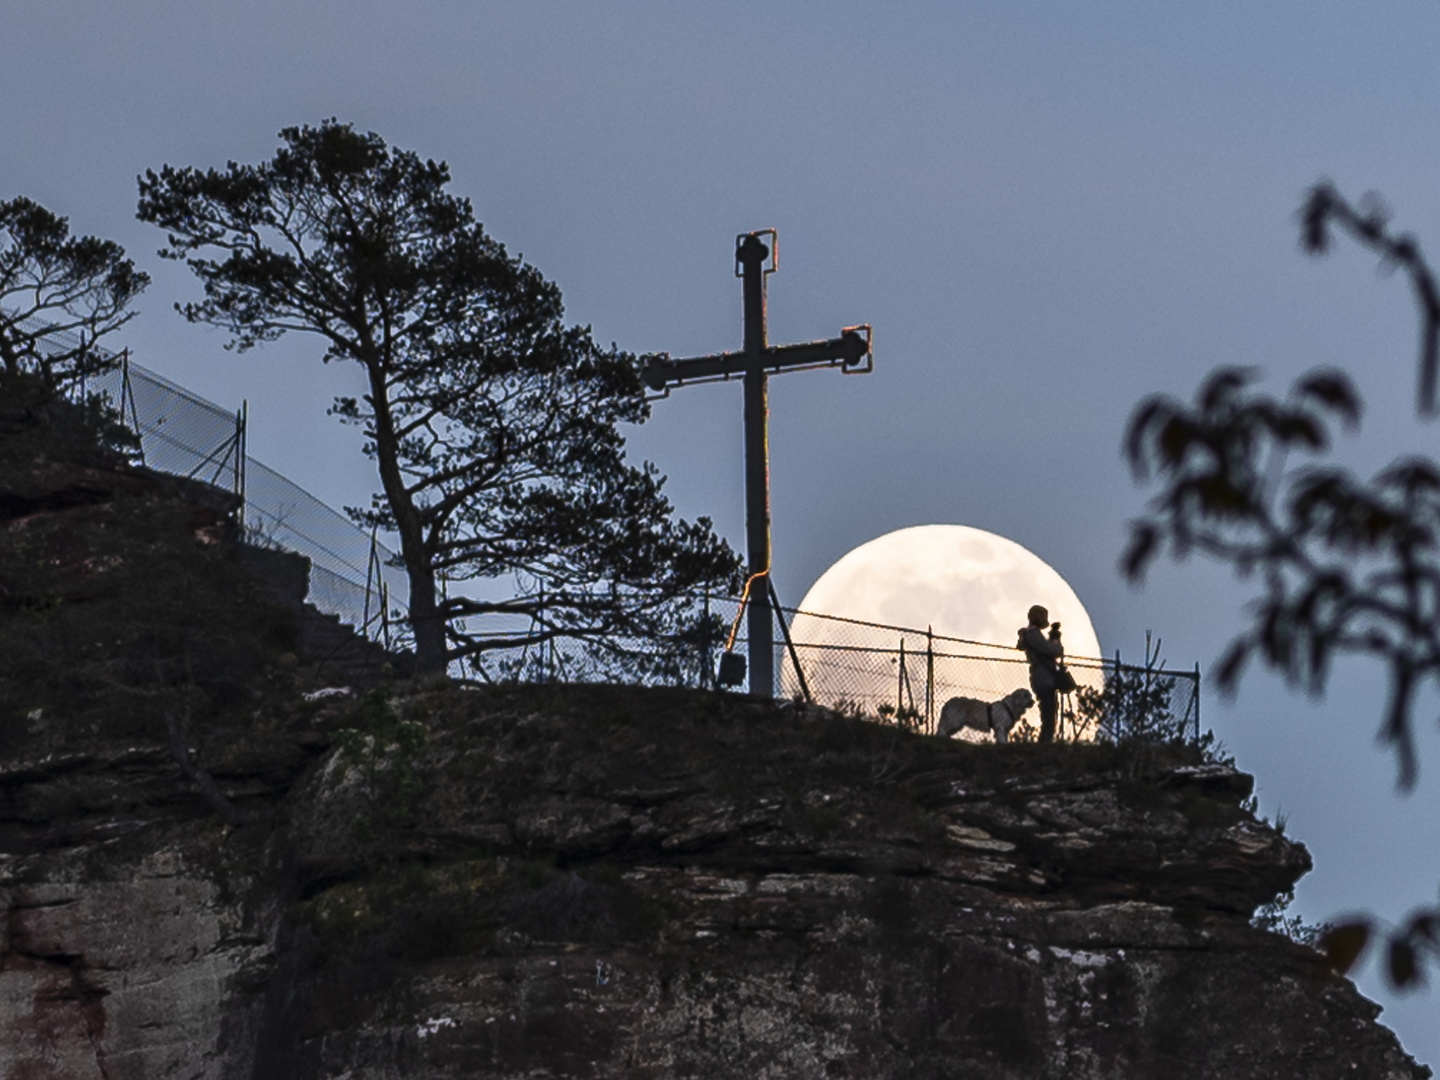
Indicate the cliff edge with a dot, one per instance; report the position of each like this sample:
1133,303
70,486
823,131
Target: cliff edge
608,881
207,872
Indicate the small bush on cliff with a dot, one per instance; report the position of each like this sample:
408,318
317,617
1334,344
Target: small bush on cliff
1273,917
1134,704
42,427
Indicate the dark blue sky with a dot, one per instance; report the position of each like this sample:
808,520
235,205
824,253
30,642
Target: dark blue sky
1047,211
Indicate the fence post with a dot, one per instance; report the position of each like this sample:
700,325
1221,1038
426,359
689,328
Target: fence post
544,658
127,394
904,688
125,386
705,644
900,683
372,572
1197,700
242,423
929,678
1110,702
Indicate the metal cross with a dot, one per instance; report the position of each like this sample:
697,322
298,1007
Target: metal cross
850,352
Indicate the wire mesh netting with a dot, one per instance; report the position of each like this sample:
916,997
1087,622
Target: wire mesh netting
890,673
352,574
907,675
179,432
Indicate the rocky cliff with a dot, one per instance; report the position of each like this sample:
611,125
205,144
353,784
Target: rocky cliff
207,872
612,882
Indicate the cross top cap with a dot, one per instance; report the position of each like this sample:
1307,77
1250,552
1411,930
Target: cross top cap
749,248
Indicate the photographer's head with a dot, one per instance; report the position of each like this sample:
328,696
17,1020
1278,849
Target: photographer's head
1038,616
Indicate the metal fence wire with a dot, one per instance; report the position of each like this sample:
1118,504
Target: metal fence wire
179,433
894,674
907,675
352,574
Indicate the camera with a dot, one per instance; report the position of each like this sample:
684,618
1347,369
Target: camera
1054,631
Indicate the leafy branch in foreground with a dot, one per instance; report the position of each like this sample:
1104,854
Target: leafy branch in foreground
1345,566
1324,209
1405,946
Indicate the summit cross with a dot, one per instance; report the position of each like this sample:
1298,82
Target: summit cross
850,352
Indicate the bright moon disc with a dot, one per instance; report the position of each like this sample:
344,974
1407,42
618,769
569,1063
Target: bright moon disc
970,587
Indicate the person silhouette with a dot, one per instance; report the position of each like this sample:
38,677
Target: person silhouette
1043,651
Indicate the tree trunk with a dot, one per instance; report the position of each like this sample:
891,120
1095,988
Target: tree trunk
425,616
427,622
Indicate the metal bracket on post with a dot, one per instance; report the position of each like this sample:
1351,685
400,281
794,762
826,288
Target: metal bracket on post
740,238
655,362
852,367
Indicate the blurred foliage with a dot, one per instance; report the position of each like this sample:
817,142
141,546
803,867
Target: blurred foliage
1345,566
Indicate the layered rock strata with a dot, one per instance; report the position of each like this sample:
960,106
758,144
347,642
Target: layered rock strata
608,882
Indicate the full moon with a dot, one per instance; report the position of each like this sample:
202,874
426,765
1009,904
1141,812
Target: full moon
970,589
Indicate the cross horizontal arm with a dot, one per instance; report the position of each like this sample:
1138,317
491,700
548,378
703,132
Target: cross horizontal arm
845,352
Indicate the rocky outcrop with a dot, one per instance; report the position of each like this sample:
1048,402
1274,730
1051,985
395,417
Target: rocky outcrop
334,653
612,882
69,514
128,939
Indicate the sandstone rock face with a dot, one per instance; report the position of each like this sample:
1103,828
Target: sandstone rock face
608,882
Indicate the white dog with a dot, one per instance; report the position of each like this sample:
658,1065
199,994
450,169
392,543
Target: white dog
998,717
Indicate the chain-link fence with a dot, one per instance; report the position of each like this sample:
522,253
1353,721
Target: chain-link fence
891,673
352,574
909,674
179,433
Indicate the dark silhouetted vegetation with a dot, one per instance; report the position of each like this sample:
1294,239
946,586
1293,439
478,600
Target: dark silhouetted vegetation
494,427
1134,704
59,295
1345,565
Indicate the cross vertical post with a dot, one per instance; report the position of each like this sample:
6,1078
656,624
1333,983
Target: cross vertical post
751,254
850,352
